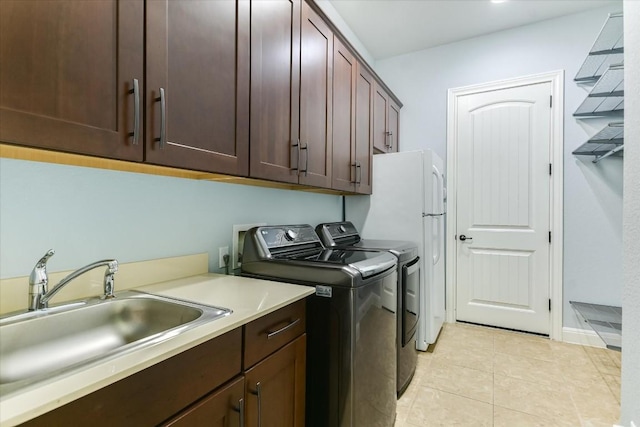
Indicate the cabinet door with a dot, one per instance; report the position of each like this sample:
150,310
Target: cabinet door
276,388
394,127
364,129
66,71
380,119
197,110
275,90
222,408
316,75
344,171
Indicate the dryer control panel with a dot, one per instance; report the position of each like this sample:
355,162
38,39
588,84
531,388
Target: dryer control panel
338,233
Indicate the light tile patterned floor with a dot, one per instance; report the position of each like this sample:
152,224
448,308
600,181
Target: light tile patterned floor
478,376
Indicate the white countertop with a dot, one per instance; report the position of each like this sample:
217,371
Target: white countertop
248,298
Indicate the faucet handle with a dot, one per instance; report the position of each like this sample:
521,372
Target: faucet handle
38,281
109,285
45,258
112,266
39,272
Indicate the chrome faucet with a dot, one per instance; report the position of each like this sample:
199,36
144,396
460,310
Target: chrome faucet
39,295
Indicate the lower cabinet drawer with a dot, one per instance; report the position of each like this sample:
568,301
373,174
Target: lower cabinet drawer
267,334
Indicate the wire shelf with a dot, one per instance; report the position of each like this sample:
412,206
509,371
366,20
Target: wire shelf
607,49
611,83
610,39
607,142
596,65
606,320
600,106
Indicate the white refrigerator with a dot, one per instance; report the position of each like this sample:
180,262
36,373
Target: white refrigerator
409,203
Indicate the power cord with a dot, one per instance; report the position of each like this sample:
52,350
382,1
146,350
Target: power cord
225,258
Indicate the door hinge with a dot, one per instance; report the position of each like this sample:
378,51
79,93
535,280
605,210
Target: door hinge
550,168
550,101
549,304
549,237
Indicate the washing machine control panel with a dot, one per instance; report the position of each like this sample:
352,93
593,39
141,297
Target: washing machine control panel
290,235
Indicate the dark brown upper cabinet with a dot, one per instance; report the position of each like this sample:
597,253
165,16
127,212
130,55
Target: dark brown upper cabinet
67,73
352,122
364,129
345,170
197,95
386,121
275,90
237,87
380,120
291,92
394,126
316,91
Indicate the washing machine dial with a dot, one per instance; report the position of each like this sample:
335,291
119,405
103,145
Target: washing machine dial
290,235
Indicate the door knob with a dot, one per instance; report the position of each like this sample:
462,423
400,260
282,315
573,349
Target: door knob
463,238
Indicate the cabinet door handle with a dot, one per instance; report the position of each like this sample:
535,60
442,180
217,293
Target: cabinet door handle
390,140
240,410
358,175
297,168
258,392
136,112
355,173
163,119
271,334
306,162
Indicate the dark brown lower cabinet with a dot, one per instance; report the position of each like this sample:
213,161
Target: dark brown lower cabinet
157,393
205,385
223,408
276,388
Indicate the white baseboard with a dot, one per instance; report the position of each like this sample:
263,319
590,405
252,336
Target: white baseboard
582,337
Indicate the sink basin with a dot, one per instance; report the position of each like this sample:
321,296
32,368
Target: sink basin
40,344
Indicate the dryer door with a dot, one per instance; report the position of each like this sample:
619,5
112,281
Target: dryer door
410,299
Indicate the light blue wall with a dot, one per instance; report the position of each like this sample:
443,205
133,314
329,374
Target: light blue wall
592,193
89,214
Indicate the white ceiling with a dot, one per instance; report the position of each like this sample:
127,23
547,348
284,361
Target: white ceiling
393,27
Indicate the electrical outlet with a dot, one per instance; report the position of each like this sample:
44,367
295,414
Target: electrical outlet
224,250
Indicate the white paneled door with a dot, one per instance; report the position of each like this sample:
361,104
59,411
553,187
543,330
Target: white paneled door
503,207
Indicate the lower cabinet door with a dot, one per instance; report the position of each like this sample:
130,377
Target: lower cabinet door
276,388
224,407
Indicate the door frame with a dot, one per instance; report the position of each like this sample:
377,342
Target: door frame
556,78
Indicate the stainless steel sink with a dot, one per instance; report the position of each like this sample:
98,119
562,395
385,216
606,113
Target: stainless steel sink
41,344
